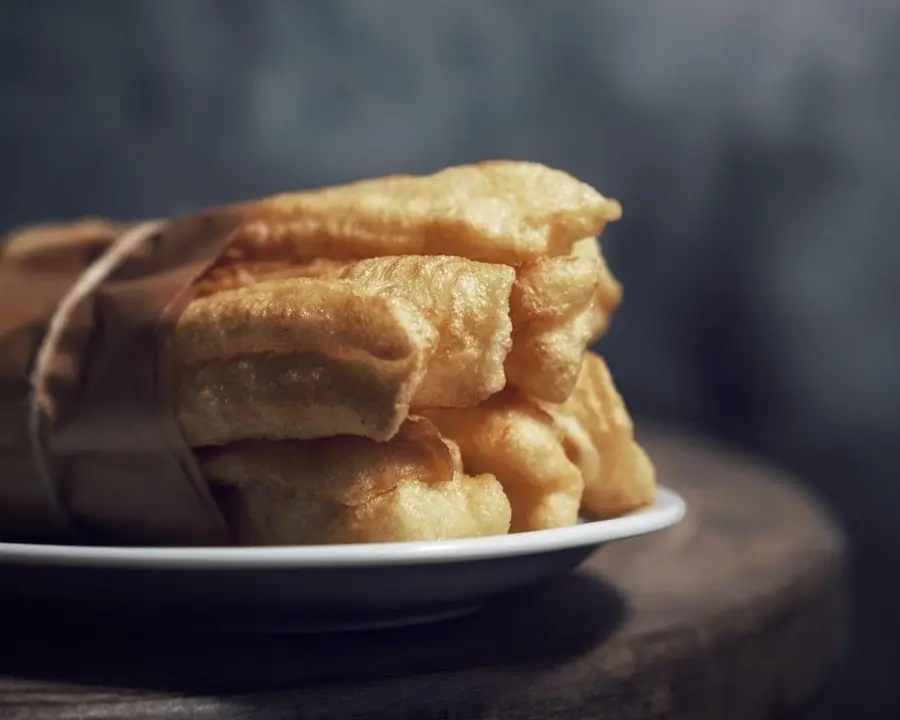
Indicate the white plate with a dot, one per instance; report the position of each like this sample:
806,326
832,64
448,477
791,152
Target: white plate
312,588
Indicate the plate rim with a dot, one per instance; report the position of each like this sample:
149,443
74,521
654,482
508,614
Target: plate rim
668,510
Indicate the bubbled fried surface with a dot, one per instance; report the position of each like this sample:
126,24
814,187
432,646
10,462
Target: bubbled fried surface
467,302
351,489
618,475
552,458
512,438
608,294
497,211
297,358
468,296
557,306
553,309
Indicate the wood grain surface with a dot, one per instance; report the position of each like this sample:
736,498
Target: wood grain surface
738,612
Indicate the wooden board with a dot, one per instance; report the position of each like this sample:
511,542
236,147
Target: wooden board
736,613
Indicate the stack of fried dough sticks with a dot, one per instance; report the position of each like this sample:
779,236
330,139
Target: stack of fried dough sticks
405,359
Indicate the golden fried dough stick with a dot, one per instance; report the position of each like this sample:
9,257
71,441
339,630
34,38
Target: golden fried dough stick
553,307
499,211
618,475
609,291
510,437
558,307
351,489
300,359
468,303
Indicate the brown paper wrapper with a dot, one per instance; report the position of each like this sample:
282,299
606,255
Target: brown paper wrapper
90,450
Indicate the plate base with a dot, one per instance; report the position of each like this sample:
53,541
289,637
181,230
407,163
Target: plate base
67,618
281,624
300,589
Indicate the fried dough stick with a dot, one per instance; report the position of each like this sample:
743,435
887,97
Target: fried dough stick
498,211
299,359
468,303
512,438
618,475
553,458
608,293
558,307
352,490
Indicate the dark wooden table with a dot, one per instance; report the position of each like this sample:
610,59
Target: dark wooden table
736,613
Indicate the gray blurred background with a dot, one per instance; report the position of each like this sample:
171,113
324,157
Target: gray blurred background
751,144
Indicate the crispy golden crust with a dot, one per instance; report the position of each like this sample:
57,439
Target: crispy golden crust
469,295
499,211
608,293
513,439
618,474
350,489
553,308
558,307
468,303
553,458
299,358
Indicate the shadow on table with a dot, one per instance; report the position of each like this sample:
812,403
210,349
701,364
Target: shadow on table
546,624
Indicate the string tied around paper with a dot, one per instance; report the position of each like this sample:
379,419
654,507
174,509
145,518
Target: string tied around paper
39,400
